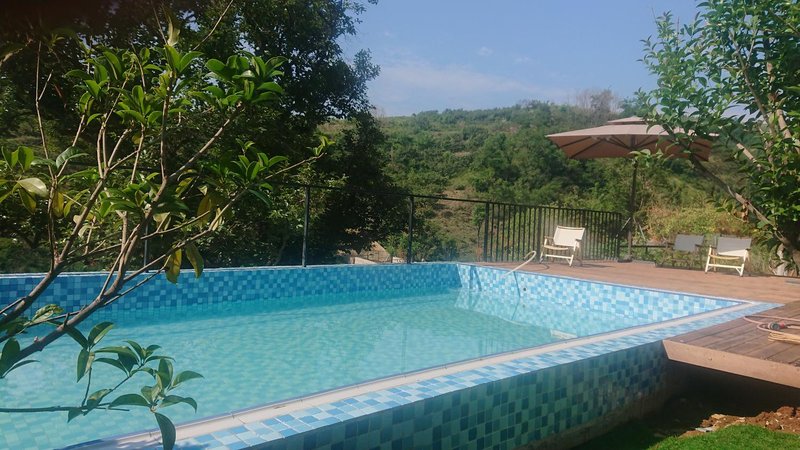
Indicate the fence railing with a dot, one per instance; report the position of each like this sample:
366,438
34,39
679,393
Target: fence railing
506,231
511,231
498,231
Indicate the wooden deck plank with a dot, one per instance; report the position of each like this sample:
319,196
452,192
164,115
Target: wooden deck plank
733,363
721,284
707,335
733,330
740,347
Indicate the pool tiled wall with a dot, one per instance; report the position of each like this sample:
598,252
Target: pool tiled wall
505,413
70,291
641,305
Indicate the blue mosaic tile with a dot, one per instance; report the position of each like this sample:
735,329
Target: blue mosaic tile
505,405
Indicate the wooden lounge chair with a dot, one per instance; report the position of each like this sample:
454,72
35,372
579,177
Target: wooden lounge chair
685,245
564,244
729,253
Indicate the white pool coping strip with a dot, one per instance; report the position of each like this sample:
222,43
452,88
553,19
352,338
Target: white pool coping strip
261,413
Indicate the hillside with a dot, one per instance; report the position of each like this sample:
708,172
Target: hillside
502,154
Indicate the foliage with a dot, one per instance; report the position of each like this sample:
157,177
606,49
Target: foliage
732,75
319,84
124,179
664,222
502,154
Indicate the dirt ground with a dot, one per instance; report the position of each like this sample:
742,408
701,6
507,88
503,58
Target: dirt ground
786,418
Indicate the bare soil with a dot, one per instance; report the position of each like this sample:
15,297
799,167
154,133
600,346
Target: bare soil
786,418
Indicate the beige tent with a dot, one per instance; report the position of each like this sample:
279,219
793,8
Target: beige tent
617,139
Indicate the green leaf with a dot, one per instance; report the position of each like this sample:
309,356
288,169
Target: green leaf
129,400
27,200
76,336
184,376
96,397
175,399
98,331
68,154
9,356
44,313
13,327
94,88
113,362
260,196
58,204
195,258
77,73
276,160
151,392
215,66
11,158
164,373
119,351
115,64
167,431
173,57
84,363
187,59
173,266
270,86
138,349
73,413
21,363
34,186
25,157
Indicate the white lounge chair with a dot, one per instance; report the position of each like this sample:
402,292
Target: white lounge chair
564,244
685,245
729,253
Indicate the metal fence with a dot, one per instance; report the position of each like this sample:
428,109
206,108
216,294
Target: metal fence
511,231
504,231
498,231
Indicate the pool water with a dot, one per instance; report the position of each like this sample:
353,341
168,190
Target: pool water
256,352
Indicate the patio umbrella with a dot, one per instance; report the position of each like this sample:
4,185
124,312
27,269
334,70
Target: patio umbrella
617,139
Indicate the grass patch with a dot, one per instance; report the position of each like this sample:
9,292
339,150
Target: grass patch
745,437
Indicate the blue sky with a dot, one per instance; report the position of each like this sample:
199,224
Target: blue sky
468,54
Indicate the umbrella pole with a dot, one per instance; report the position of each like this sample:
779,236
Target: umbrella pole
631,209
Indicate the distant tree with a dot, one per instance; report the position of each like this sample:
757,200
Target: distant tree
602,104
733,75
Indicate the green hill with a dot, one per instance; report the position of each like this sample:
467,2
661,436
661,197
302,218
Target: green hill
503,155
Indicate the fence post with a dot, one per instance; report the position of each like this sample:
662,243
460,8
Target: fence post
409,254
305,224
485,231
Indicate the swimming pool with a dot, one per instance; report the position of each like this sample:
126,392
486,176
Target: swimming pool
261,336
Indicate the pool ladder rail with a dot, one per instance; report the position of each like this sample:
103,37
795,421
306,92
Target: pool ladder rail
532,255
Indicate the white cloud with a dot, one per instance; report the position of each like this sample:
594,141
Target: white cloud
412,85
523,60
485,51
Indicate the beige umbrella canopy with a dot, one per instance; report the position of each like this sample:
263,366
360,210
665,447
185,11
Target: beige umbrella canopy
617,139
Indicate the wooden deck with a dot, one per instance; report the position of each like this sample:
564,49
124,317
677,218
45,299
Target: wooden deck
739,347
725,283
736,347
